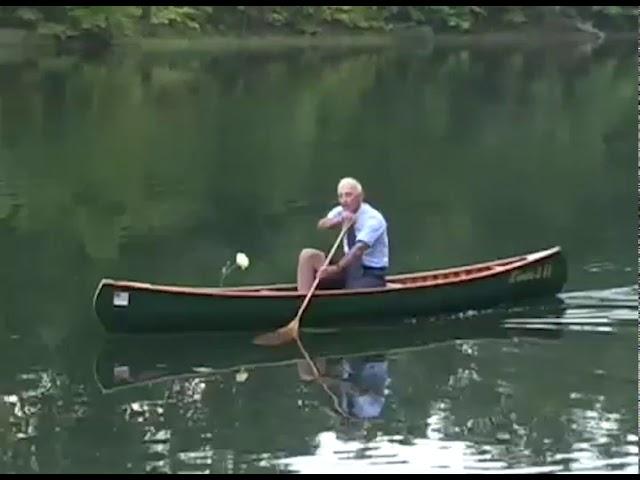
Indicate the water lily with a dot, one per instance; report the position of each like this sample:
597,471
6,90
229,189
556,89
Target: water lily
242,261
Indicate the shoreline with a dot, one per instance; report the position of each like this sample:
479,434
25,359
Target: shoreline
424,37
418,37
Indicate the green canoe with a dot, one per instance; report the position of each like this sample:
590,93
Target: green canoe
133,360
133,307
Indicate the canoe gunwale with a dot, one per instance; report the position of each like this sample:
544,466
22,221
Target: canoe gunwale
501,266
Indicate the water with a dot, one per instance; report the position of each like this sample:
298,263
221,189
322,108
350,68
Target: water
160,166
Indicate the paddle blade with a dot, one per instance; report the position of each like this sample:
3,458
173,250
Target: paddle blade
281,336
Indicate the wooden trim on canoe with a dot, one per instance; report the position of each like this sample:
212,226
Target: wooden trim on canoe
407,281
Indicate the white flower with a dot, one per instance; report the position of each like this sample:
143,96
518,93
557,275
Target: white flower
242,260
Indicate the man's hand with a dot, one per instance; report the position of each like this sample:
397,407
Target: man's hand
348,218
345,219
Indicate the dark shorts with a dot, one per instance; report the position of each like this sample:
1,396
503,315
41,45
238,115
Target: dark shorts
356,276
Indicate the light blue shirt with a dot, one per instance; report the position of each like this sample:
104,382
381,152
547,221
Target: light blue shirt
371,229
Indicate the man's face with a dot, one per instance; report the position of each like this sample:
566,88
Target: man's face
349,198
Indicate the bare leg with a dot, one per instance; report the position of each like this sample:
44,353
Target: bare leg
309,263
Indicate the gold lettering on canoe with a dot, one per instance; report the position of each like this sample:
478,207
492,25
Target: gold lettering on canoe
529,274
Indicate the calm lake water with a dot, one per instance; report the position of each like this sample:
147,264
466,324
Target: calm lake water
159,167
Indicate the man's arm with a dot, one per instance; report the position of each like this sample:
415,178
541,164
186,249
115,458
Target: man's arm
354,255
332,220
371,231
329,223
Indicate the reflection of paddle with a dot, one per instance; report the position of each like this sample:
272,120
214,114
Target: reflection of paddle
291,331
320,380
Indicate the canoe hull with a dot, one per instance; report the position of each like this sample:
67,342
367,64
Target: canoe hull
127,307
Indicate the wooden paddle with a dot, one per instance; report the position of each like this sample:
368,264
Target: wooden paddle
292,330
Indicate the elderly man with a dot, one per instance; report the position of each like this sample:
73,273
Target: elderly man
366,245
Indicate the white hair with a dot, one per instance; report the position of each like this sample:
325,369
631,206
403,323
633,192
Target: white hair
349,181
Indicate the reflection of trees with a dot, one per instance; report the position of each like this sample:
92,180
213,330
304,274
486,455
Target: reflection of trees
203,424
30,414
134,146
491,396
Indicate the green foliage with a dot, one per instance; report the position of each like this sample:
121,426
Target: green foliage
616,17
456,17
190,17
70,21
514,15
358,17
28,14
55,29
109,22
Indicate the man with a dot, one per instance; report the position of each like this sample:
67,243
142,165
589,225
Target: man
366,245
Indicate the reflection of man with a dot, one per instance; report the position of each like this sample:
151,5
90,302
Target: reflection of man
359,383
368,379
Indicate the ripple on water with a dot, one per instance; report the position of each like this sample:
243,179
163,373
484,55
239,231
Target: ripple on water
388,455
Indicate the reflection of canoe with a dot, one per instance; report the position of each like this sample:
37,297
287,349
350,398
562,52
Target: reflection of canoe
133,360
131,307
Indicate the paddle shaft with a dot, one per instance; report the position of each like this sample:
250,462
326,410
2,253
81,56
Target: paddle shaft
317,279
291,330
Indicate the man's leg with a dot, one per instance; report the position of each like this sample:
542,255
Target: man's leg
309,262
357,278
